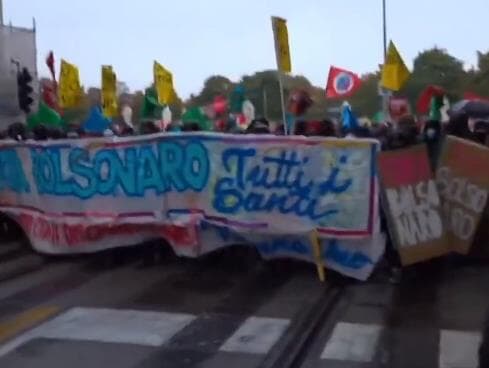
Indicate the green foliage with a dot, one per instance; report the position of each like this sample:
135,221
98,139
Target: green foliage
437,67
478,80
366,101
213,86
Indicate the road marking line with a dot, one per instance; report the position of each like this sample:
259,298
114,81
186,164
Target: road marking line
256,335
107,325
458,349
352,342
24,321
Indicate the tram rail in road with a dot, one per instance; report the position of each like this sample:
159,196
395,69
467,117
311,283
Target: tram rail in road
293,350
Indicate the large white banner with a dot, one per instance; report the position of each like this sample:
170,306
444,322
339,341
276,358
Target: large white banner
70,195
265,183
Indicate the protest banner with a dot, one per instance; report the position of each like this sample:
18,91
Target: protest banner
463,185
266,184
355,258
412,204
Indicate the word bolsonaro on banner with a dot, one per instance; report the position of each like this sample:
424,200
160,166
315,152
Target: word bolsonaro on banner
412,204
264,184
463,185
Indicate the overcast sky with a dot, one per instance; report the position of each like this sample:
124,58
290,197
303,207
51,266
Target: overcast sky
198,38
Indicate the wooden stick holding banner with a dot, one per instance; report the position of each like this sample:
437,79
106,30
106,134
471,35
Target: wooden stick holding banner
317,249
282,54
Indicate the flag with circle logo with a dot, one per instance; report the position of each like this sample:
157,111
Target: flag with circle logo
341,83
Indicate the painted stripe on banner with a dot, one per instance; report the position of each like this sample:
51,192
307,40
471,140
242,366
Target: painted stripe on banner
352,342
108,325
458,349
256,335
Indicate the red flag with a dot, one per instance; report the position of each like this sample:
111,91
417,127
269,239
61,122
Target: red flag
341,83
50,64
424,100
49,95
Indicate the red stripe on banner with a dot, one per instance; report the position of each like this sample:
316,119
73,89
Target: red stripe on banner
344,232
76,214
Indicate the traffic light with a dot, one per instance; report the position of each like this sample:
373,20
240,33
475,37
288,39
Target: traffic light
25,90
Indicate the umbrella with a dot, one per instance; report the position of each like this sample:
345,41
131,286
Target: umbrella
474,108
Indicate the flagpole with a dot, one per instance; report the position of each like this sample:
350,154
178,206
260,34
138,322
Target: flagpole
384,27
282,101
385,97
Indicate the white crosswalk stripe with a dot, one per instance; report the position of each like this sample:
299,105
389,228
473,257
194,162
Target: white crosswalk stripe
107,325
256,335
357,342
458,349
353,342
349,342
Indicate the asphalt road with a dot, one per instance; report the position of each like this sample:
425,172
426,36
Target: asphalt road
231,309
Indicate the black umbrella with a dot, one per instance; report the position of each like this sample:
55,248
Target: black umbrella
473,108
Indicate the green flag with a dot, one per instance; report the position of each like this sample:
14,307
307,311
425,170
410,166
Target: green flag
435,106
236,99
196,115
151,109
45,115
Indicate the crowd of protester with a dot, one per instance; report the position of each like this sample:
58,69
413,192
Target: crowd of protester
404,133
407,131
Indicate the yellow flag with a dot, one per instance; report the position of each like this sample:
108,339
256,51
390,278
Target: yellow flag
69,85
281,37
163,80
394,72
109,91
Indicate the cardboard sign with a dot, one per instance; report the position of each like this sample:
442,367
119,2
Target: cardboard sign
412,204
463,182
